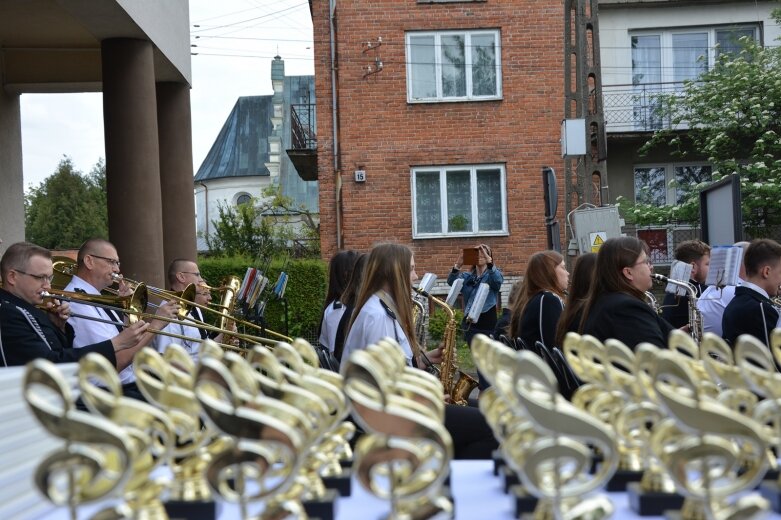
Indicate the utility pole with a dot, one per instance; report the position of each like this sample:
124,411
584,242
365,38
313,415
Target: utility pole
585,178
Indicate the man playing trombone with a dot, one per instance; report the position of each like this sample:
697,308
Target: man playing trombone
182,273
97,268
28,331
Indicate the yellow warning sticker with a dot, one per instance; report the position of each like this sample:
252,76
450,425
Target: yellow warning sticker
596,240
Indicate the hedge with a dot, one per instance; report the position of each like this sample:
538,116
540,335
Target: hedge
305,291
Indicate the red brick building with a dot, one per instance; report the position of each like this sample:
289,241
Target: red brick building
451,109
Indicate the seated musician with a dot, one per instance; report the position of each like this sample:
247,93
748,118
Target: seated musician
536,312
616,306
182,273
714,300
97,266
28,332
675,307
384,310
340,269
751,311
579,286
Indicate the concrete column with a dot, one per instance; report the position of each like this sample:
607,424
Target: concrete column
11,180
176,170
133,158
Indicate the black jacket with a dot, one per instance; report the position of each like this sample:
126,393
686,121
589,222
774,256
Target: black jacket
540,319
749,312
627,319
675,309
27,333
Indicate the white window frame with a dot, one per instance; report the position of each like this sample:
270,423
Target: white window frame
666,43
670,197
442,170
439,98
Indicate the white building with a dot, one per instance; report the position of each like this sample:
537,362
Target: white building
651,46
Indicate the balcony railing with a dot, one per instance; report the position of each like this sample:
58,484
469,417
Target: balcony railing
634,108
302,126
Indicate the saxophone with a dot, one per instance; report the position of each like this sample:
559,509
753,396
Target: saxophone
457,384
420,318
695,316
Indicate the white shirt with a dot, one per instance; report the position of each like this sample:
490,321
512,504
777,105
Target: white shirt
711,305
372,324
181,328
331,318
89,332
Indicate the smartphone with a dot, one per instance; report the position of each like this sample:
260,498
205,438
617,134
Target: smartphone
471,255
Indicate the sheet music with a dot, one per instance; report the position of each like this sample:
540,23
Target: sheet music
725,262
455,290
477,303
682,272
427,282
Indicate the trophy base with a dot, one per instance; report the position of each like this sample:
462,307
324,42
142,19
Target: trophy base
340,483
650,503
524,502
322,507
346,463
499,461
771,491
621,478
195,510
510,478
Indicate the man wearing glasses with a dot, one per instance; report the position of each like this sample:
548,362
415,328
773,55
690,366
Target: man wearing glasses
30,329
98,265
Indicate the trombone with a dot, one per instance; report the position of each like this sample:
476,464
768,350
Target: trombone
66,267
189,301
134,306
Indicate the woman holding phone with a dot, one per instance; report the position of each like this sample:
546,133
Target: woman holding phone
482,270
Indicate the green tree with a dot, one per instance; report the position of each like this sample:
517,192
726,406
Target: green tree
733,116
67,207
269,227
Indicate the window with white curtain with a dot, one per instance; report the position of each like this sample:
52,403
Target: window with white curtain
459,200
453,66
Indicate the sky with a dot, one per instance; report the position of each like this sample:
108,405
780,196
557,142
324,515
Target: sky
235,40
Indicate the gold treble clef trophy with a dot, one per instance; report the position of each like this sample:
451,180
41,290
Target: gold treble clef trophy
94,463
167,382
150,432
405,455
759,368
711,452
554,464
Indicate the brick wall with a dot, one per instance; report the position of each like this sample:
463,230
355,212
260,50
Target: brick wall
385,136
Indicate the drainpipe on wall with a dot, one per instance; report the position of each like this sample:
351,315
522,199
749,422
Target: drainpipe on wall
335,123
206,205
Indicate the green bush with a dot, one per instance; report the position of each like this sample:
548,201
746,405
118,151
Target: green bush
438,321
304,294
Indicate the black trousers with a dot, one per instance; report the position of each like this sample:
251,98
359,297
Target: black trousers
472,437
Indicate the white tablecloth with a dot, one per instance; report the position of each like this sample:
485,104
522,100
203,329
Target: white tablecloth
478,496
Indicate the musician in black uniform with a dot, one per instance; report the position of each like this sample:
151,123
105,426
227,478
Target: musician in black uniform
27,332
579,286
675,308
616,306
536,312
751,311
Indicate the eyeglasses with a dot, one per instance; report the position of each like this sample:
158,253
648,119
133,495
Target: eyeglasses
109,260
646,261
190,272
40,277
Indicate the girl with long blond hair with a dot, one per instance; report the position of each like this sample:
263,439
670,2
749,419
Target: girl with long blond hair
384,310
